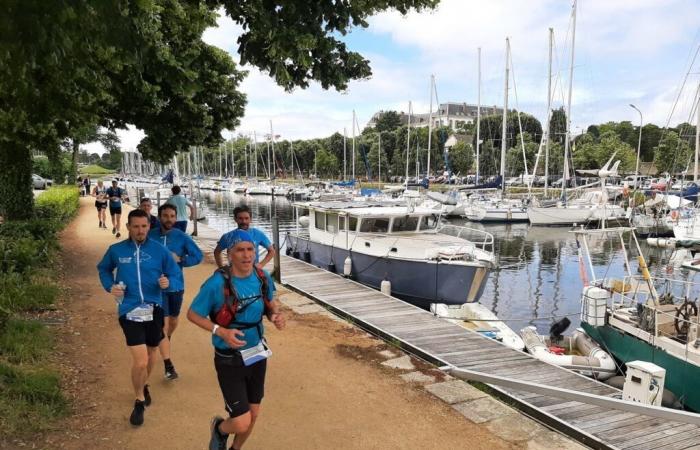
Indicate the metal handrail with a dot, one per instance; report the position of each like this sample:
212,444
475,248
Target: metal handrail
488,239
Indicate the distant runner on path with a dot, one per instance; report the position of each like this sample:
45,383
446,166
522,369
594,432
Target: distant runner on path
182,204
101,199
243,218
231,305
186,254
144,268
116,195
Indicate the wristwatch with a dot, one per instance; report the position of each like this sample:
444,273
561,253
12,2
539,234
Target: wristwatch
216,327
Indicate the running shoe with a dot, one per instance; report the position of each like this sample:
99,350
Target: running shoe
118,235
170,373
114,230
100,225
218,439
146,396
136,418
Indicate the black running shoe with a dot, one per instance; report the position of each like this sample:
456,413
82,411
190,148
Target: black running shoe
218,439
100,225
114,230
136,418
170,373
146,396
119,235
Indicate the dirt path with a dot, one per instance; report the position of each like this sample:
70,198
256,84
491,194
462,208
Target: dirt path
322,391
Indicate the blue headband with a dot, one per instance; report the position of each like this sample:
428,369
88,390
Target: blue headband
237,236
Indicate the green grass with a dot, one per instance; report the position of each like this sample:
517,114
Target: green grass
24,341
31,400
94,169
18,293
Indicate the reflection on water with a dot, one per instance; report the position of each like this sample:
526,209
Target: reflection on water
538,275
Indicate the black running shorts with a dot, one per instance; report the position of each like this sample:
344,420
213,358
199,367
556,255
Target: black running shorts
115,210
100,205
241,386
140,333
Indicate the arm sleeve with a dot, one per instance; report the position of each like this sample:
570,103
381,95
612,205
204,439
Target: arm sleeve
170,267
264,240
106,270
223,243
193,255
202,302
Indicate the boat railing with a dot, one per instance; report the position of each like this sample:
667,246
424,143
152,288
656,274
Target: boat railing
480,238
678,325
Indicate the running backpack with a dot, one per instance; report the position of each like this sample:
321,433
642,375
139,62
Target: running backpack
226,315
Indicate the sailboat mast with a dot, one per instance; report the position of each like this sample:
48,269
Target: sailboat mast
478,115
549,114
568,101
353,147
379,154
504,128
345,155
408,140
430,122
273,167
697,136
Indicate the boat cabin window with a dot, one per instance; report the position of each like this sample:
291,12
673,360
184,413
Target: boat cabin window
320,220
374,225
406,223
428,222
341,223
332,223
352,223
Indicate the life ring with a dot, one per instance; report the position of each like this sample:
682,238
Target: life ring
674,214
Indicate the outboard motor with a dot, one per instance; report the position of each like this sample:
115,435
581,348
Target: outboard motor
558,328
331,267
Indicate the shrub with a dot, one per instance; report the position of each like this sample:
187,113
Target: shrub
30,400
19,255
23,341
58,203
34,228
20,294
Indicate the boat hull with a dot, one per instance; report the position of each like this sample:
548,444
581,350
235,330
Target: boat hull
418,282
558,216
681,377
499,215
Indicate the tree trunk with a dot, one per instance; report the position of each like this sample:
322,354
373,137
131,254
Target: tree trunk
16,197
74,160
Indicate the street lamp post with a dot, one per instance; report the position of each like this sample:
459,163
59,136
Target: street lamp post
639,145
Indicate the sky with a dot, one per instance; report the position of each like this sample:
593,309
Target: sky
626,52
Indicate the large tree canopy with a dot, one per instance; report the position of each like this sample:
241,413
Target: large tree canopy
68,65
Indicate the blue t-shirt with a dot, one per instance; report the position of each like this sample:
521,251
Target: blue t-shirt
112,192
259,239
210,299
180,202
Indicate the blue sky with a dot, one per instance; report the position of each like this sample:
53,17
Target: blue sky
627,51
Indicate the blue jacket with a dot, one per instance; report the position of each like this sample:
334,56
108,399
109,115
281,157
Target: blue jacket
183,246
139,267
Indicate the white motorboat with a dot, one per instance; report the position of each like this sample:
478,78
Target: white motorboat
478,318
259,189
496,210
425,261
577,352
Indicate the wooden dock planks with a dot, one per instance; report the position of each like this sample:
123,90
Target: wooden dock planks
443,343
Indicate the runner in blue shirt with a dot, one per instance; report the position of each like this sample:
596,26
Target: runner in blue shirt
144,268
186,254
240,351
116,194
243,217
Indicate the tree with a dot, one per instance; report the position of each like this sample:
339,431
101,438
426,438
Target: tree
387,121
591,153
672,154
651,135
514,157
65,66
557,126
326,164
491,128
461,157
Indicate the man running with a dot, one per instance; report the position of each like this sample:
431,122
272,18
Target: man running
237,298
116,194
186,254
243,217
146,205
143,270
182,204
101,199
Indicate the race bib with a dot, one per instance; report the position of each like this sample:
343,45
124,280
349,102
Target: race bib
143,313
254,354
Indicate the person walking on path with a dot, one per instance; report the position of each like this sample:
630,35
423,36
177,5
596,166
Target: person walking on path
144,268
101,199
86,185
116,195
243,217
186,254
182,204
147,206
231,305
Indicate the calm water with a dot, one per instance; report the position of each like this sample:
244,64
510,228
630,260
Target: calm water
538,275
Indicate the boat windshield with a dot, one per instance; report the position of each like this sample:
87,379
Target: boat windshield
406,223
374,225
429,222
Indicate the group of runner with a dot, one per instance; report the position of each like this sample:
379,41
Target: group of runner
144,274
